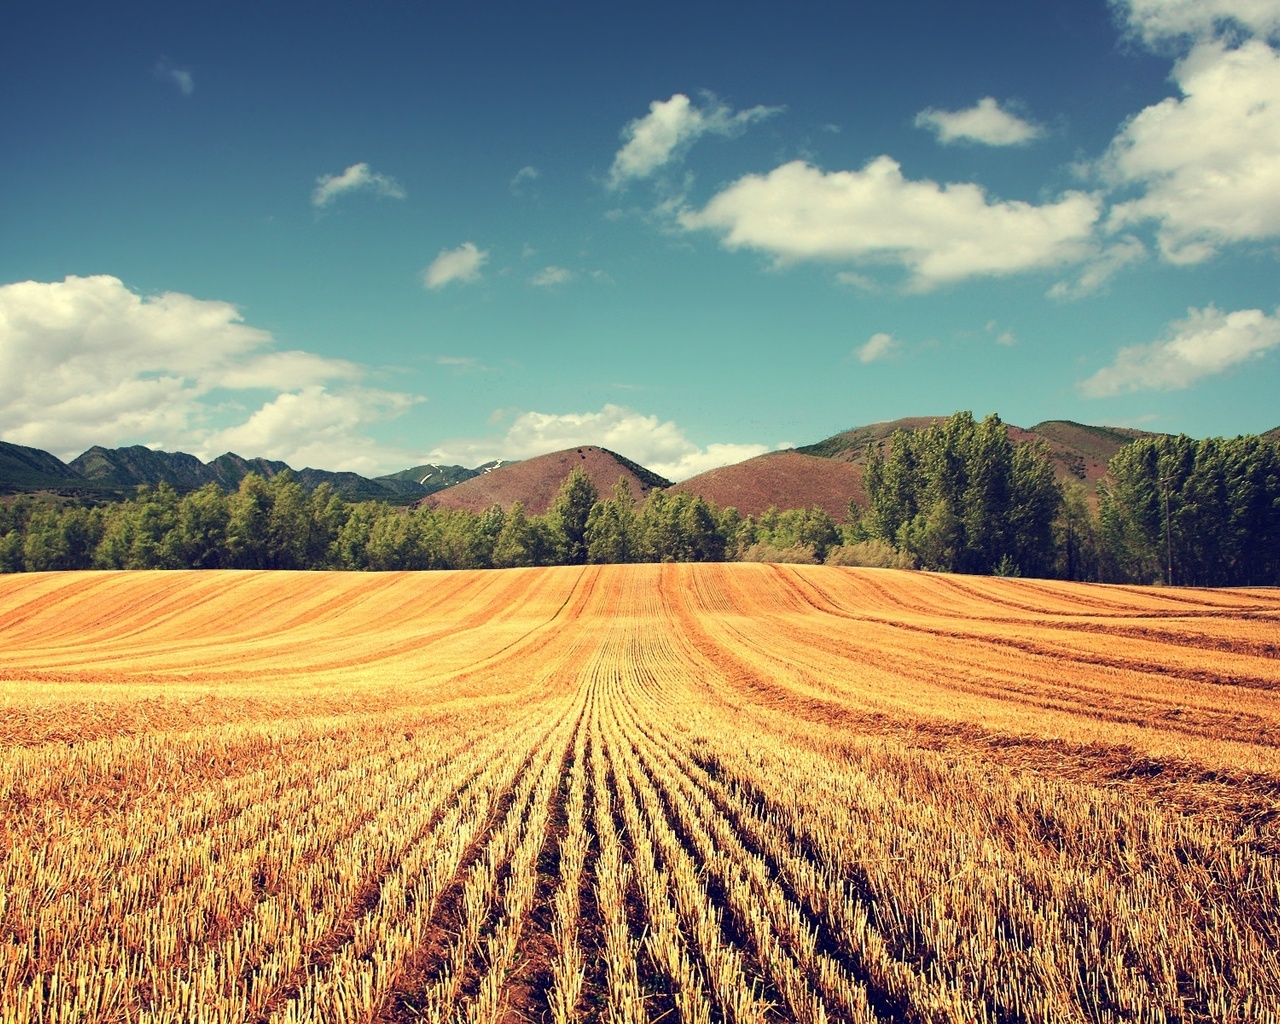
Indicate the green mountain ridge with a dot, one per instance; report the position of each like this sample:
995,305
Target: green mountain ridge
113,473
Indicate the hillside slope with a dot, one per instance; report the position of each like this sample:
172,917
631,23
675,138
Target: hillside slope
31,468
536,481
1079,451
786,479
429,478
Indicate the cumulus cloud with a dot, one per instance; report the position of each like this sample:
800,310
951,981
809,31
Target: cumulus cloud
878,346
986,123
1209,161
940,233
461,264
661,446
549,277
670,127
314,425
1155,21
180,77
1207,342
356,178
87,361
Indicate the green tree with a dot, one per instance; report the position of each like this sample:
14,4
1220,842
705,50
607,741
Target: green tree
568,516
1203,513
517,544
249,541
611,527
11,548
135,533
288,523
350,547
44,547
327,513
198,539
959,496
1076,536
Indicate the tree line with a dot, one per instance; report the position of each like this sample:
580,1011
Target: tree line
958,496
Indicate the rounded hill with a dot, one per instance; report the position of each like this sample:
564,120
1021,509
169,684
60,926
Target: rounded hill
536,481
787,479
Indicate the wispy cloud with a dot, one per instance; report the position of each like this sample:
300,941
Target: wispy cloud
462,364
1206,343
986,123
524,176
461,264
877,347
549,277
356,178
180,77
1101,268
670,127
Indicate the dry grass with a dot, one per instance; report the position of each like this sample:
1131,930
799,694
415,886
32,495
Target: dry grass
636,793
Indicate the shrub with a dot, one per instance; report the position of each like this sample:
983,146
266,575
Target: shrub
873,554
799,554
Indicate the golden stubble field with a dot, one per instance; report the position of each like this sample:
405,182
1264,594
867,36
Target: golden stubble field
636,793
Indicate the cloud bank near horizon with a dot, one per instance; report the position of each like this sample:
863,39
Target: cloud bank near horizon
659,445
87,361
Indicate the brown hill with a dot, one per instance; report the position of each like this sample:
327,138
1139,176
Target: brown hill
536,481
787,479
1080,452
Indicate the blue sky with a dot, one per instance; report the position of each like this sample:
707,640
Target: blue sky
369,236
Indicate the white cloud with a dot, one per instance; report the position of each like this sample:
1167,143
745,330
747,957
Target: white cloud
319,428
662,447
86,361
986,123
878,346
1158,20
941,233
286,371
461,264
670,127
1209,162
524,175
1002,337
1100,268
1207,342
549,277
859,281
180,77
356,178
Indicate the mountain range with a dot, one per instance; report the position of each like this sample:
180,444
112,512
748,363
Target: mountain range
110,473
826,474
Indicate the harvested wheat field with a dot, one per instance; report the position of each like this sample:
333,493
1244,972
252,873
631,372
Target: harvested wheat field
685,793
